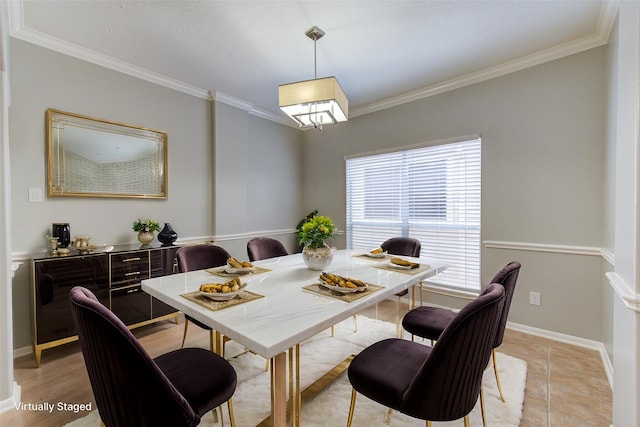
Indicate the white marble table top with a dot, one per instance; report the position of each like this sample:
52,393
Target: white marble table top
288,314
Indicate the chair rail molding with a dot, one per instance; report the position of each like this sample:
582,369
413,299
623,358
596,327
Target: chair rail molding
624,291
544,247
251,234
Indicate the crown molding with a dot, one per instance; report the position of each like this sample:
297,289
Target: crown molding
606,20
250,108
601,37
19,31
519,64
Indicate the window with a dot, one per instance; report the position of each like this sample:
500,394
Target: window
431,193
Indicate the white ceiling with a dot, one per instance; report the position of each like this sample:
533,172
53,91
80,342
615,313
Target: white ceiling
382,52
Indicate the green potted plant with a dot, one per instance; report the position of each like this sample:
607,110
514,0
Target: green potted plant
312,234
145,229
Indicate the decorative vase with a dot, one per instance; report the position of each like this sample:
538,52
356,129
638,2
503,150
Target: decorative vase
145,237
62,231
317,258
167,235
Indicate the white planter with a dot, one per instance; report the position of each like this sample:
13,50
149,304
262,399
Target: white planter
317,259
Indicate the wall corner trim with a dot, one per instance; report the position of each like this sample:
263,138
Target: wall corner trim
12,402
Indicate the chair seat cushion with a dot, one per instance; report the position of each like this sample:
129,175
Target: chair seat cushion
384,370
205,388
427,322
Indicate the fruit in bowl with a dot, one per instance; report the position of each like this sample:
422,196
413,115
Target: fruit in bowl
234,263
232,285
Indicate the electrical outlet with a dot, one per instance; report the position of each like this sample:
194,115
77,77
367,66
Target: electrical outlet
35,194
534,298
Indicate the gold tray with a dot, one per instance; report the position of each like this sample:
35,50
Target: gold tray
219,271
212,305
348,297
399,269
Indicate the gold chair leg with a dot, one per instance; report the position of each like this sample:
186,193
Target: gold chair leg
398,319
428,423
482,408
214,412
352,407
355,322
332,330
387,417
466,421
231,418
212,341
184,335
495,370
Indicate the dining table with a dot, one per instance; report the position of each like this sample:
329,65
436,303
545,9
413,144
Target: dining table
281,304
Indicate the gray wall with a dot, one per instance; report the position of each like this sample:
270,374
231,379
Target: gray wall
542,169
224,164
233,175
258,165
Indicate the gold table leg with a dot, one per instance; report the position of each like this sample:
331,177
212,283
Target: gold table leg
279,390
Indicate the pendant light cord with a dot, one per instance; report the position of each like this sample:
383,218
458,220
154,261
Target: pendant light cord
315,60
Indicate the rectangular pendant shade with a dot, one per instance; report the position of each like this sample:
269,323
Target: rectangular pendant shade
314,102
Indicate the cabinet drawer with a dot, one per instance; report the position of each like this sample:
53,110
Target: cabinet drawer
129,268
132,305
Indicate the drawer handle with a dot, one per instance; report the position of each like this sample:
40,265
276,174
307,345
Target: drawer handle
131,259
130,291
133,273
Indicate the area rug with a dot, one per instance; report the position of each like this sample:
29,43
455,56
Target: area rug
331,406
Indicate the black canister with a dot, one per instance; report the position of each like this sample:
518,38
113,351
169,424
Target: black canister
62,231
167,235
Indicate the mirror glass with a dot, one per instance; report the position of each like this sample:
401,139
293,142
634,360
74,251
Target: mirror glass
91,157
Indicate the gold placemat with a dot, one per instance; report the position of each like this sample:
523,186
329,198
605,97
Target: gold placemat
212,305
350,297
369,258
423,267
219,271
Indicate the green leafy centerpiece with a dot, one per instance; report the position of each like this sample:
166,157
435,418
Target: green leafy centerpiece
145,229
312,234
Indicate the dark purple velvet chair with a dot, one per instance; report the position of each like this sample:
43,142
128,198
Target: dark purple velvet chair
199,257
403,246
406,246
439,383
430,322
265,247
131,388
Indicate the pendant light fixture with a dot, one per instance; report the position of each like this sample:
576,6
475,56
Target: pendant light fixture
317,102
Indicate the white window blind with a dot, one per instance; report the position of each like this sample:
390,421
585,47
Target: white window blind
430,193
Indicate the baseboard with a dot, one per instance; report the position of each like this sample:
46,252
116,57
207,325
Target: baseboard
22,351
563,338
10,403
572,340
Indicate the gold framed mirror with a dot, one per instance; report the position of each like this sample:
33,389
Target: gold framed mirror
90,157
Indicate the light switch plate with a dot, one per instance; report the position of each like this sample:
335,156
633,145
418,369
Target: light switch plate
534,298
35,194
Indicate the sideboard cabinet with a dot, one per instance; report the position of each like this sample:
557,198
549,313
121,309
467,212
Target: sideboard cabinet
114,277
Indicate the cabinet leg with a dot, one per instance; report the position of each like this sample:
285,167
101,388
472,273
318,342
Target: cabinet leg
37,352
